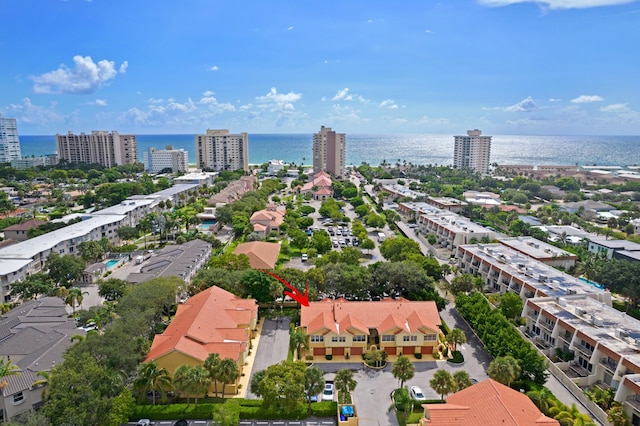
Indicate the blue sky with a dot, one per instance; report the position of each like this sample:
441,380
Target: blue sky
505,66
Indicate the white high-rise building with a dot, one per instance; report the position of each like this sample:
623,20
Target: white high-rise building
99,147
156,160
472,152
219,150
329,152
9,141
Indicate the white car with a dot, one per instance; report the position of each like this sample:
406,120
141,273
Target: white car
327,393
143,422
305,257
416,393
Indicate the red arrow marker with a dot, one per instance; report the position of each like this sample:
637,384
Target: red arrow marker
295,294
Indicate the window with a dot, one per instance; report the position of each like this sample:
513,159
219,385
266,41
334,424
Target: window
316,338
18,398
430,337
409,338
359,338
388,338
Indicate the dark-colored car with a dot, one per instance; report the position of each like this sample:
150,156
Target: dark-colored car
181,422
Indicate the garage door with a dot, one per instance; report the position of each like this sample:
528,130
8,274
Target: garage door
356,350
408,350
390,350
337,351
318,351
427,349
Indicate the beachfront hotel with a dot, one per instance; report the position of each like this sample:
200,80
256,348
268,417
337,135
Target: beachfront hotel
9,141
157,160
472,151
219,150
329,152
108,149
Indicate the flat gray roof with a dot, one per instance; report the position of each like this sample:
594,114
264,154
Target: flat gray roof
125,206
535,248
176,189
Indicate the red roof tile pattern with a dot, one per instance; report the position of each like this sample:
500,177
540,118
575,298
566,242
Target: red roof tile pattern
487,403
385,315
212,321
262,255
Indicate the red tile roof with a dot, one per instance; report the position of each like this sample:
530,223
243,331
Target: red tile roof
487,403
212,321
384,315
262,255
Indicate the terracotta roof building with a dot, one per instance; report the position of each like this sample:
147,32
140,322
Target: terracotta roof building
269,220
486,403
261,255
397,326
19,231
212,321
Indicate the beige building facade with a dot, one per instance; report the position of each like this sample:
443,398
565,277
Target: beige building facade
219,150
472,151
108,149
329,152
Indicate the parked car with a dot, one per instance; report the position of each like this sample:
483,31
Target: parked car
143,422
416,393
181,422
327,394
305,257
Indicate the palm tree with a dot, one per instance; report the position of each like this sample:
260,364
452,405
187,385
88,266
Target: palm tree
456,337
462,380
228,373
212,365
182,382
299,341
7,369
542,399
313,383
504,369
151,378
403,369
345,383
442,383
75,296
200,381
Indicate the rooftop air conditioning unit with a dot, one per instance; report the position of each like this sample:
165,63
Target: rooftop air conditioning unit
580,311
621,333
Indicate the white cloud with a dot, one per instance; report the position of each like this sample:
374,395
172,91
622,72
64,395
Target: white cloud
99,102
555,100
123,67
587,98
342,95
214,68
246,107
557,4
154,101
429,121
341,113
36,115
525,105
279,101
615,108
429,31
85,77
290,28
388,103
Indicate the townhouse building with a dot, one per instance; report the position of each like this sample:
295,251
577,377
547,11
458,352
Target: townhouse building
453,230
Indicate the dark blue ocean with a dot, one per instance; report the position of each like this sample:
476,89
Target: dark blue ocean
417,149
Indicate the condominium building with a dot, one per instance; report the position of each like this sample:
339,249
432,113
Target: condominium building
329,152
9,141
99,147
157,160
32,162
219,150
472,151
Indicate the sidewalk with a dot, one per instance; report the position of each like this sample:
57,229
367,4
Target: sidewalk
245,379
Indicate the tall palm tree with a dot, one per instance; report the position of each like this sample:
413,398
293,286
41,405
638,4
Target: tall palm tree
212,365
151,378
200,381
299,341
403,369
345,383
228,371
456,337
504,369
182,382
542,399
7,369
443,383
462,380
75,296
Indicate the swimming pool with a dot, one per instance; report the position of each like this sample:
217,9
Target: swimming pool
204,226
111,263
593,283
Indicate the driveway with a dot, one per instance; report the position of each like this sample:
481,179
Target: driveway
273,346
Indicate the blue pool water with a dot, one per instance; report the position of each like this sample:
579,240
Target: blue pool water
204,226
593,283
111,263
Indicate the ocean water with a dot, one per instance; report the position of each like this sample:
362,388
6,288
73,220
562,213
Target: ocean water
417,149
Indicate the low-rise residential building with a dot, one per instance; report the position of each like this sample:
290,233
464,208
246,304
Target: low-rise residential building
413,209
452,230
587,205
541,251
234,191
486,403
397,326
604,344
34,337
180,260
447,203
195,178
262,255
265,221
504,269
615,249
18,232
159,160
213,321
319,187
484,199
274,167
397,190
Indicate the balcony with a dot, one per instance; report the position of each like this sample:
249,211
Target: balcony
634,401
584,350
566,336
533,315
546,325
578,370
608,364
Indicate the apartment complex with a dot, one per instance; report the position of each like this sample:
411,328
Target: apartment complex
99,147
451,229
329,152
9,141
472,151
219,150
33,162
157,160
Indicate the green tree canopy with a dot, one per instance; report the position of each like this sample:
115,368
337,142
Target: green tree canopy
443,383
403,370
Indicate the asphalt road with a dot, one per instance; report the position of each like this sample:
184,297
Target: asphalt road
273,346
